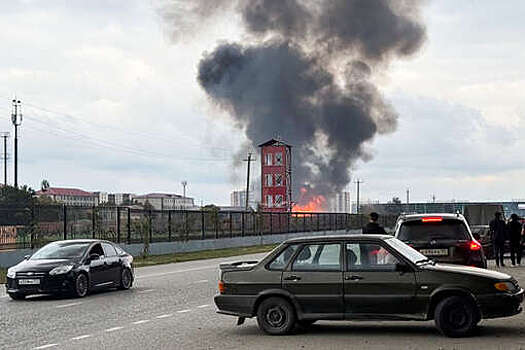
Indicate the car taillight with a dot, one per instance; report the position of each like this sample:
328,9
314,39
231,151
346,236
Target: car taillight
222,287
474,245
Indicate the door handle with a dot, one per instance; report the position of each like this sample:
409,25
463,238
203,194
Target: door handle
353,278
293,278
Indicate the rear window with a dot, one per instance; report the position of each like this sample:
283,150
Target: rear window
428,231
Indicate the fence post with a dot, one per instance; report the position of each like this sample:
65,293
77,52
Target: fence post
255,223
129,225
216,215
186,231
203,227
150,221
118,224
242,224
93,215
230,219
271,223
169,225
304,222
65,221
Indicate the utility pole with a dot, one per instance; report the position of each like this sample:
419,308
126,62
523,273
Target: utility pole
408,195
358,183
5,135
16,119
249,160
184,184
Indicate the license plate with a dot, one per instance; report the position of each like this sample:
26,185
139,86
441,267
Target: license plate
28,282
434,252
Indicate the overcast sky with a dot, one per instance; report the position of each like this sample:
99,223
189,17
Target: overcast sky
111,103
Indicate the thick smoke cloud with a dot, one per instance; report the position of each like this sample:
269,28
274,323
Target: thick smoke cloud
306,74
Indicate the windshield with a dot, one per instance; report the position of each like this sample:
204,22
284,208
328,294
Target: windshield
426,231
407,251
60,251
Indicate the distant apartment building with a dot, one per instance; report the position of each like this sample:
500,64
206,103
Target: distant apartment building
238,199
121,198
340,203
103,197
70,196
166,201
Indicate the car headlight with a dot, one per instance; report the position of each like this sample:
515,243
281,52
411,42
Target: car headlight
11,273
60,270
505,287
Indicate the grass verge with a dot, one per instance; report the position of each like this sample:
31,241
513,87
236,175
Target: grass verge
204,254
180,257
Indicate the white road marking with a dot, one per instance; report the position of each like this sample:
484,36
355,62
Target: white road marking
178,271
202,306
46,346
81,337
146,291
201,281
183,311
68,305
140,322
114,329
164,316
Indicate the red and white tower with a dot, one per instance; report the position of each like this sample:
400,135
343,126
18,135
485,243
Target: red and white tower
276,172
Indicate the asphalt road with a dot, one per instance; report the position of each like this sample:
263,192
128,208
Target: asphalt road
171,307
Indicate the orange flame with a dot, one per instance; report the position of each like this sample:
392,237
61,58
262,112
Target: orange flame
316,204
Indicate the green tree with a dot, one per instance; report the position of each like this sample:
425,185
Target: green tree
44,185
17,197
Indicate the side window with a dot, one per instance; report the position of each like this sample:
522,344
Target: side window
280,262
268,159
109,250
269,180
96,249
318,257
369,257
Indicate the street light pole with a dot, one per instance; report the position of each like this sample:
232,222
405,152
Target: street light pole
16,119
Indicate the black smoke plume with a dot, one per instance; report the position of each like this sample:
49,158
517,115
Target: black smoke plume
306,74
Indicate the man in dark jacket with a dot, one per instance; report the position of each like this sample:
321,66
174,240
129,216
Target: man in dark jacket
514,228
498,234
373,228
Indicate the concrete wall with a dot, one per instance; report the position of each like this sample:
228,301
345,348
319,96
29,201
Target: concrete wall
10,258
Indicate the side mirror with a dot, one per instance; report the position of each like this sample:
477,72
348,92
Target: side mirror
26,257
93,257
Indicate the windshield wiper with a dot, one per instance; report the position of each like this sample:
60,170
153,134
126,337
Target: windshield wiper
425,261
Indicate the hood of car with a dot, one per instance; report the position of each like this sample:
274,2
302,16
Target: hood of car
468,270
40,265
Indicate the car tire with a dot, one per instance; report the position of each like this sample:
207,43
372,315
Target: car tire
276,316
81,286
17,296
126,279
456,316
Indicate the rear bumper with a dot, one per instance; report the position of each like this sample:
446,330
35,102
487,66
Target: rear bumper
235,305
501,304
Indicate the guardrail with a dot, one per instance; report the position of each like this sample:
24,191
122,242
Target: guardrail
39,225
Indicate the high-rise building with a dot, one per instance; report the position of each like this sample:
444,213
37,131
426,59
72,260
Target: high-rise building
340,203
238,199
276,190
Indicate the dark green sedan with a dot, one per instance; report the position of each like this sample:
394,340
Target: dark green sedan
361,277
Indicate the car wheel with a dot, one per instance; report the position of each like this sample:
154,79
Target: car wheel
125,279
17,296
456,316
276,316
81,286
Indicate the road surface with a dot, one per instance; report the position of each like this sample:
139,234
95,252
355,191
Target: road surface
171,307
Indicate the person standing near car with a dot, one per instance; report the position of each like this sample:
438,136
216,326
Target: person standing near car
514,228
373,227
498,235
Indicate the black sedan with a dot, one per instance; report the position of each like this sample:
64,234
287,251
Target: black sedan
74,266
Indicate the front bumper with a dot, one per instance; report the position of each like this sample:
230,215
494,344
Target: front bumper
235,305
48,285
501,304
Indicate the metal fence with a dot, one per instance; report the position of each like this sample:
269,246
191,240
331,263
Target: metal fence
39,225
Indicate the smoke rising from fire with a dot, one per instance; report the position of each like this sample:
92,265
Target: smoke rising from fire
306,73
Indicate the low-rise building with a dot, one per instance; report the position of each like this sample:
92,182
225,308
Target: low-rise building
165,201
70,196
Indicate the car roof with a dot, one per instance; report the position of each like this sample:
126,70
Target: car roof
82,241
337,238
447,216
